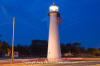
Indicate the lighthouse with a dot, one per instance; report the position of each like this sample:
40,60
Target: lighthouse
54,51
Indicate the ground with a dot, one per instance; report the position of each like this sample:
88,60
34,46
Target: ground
69,62
50,64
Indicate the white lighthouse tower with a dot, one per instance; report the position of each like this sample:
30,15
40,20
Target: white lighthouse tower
54,51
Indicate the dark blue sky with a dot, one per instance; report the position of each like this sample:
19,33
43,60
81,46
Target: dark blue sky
80,21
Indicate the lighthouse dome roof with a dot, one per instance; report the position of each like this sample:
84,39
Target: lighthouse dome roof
53,8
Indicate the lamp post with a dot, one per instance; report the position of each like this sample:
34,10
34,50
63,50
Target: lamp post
12,57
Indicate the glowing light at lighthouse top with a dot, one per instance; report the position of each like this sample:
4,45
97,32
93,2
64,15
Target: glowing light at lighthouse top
53,8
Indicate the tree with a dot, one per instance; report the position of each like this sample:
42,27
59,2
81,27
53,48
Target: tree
76,48
4,48
23,50
94,51
63,49
69,48
82,49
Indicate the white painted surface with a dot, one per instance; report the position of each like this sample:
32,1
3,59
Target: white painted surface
54,51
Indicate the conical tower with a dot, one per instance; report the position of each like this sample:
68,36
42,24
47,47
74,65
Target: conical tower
54,51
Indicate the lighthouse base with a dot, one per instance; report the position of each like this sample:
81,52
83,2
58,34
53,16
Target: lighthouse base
53,60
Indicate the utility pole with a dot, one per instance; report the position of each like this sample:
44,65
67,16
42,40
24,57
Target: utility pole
12,58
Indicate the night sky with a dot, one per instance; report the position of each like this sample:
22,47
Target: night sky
80,21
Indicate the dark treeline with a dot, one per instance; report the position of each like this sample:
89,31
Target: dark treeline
38,48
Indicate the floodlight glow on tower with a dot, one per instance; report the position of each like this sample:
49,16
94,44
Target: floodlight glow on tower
54,51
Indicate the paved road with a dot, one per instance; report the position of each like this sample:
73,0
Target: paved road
75,63
93,64
82,64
